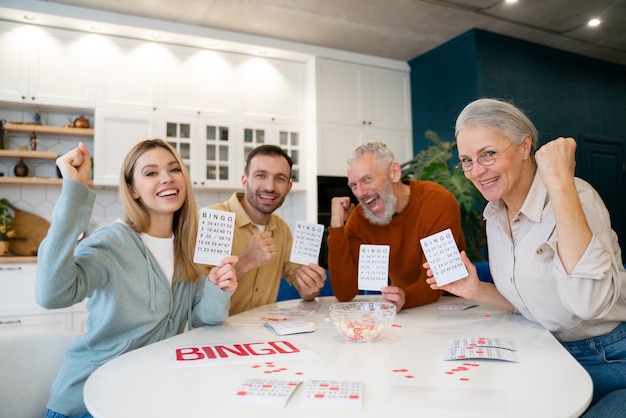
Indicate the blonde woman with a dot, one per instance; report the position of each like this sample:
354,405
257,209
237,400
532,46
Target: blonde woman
138,272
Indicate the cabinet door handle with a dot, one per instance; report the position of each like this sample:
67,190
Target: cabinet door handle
11,321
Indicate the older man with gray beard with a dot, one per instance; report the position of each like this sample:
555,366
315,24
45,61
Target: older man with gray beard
393,212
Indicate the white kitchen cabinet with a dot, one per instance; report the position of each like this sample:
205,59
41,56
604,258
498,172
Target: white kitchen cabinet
197,81
270,90
289,137
79,317
117,131
130,74
359,95
46,66
206,145
15,47
336,141
358,104
18,307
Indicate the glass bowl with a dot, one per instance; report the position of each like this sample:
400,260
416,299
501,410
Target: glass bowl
362,321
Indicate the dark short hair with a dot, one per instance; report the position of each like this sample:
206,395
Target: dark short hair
270,150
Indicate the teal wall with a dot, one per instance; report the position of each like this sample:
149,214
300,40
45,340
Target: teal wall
564,94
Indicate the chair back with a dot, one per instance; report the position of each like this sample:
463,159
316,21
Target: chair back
29,363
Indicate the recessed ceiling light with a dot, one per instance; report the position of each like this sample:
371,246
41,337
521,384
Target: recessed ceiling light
511,1
594,22
29,17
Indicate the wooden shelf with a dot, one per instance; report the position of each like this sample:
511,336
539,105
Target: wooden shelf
10,258
42,181
31,155
30,180
45,129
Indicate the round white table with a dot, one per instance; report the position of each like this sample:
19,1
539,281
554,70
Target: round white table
404,374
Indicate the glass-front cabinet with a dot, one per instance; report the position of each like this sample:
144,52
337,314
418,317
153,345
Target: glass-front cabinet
205,146
287,137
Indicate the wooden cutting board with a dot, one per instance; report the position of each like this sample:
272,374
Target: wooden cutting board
30,230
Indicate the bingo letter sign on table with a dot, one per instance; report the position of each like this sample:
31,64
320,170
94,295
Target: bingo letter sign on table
443,257
215,236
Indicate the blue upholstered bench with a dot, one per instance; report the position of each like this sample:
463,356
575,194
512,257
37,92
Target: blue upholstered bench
286,291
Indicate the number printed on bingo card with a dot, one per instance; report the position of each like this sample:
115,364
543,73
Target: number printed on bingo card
215,236
443,257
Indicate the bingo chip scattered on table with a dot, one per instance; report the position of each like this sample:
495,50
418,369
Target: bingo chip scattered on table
215,236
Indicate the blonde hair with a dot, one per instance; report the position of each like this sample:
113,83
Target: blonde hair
185,225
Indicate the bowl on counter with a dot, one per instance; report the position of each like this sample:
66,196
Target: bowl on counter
362,321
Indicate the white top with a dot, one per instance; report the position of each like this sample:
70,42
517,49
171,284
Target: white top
163,251
527,270
404,374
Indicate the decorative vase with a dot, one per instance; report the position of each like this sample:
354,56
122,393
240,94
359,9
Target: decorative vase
33,142
21,169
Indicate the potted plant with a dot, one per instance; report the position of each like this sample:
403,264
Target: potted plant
6,226
435,163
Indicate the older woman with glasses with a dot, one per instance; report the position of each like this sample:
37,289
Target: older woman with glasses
552,253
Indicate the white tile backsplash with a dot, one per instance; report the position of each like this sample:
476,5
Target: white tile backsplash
40,200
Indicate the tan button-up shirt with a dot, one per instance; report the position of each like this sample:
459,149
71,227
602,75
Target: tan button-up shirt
259,286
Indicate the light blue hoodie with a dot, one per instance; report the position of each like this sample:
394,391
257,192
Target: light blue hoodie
131,303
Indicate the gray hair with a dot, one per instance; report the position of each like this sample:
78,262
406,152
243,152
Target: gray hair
383,155
498,114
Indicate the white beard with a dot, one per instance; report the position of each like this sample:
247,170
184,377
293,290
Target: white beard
389,199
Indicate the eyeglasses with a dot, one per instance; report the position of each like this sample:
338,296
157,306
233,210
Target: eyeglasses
487,159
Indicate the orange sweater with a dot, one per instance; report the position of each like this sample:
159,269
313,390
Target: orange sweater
431,209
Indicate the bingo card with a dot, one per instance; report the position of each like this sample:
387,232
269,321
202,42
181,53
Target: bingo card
215,236
373,266
443,257
307,241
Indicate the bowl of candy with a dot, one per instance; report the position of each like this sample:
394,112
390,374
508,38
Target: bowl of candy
362,321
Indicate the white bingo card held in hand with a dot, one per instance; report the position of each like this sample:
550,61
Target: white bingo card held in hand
215,236
373,270
443,257
307,240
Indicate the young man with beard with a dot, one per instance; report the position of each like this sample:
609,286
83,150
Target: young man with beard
262,240
390,212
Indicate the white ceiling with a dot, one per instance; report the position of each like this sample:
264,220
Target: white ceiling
394,29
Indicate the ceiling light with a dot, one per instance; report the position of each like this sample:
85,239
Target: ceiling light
594,22
511,1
